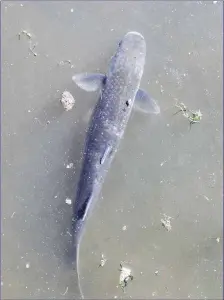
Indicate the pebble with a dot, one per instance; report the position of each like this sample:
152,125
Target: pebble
27,265
67,100
68,201
69,166
124,227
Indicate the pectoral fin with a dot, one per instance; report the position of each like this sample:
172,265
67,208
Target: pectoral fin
145,103
89,82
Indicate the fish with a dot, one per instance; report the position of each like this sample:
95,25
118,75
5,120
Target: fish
119,93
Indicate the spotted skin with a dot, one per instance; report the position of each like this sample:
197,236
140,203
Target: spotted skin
108,123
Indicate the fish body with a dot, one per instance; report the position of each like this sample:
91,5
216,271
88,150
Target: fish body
118,90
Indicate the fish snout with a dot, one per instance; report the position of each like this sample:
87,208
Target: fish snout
134,34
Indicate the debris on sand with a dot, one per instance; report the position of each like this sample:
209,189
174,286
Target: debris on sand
206,198
68,201
182,108
195,117
66,62
102,261
166,222
12,215
124,228
67,100
192,116
26,33
30,38
125,277
65,292
32,50
63,62
70,166
218,239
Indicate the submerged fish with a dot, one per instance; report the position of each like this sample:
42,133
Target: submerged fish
119,91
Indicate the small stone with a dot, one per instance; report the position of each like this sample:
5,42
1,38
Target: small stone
69,166
206,198
102,261
13,214
68,201
166,222
67,100
27,265
124,227
125,276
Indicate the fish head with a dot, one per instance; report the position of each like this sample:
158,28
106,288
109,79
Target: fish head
133,43
131,51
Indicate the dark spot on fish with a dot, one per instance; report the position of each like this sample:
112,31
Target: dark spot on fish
104,80
127,103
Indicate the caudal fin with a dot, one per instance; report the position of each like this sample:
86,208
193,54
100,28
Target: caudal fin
75,267
75,251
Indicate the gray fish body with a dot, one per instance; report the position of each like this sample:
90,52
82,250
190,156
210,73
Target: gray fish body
108,123
119,90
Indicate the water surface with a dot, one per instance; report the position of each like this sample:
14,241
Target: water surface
162,167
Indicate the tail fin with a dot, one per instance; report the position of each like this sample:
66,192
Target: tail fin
77,228
75,266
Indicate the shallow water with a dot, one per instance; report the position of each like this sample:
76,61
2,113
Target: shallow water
162,167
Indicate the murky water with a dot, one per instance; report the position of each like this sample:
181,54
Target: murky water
162,167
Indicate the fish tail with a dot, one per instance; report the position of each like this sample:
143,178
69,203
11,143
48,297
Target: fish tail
75,253
76,262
